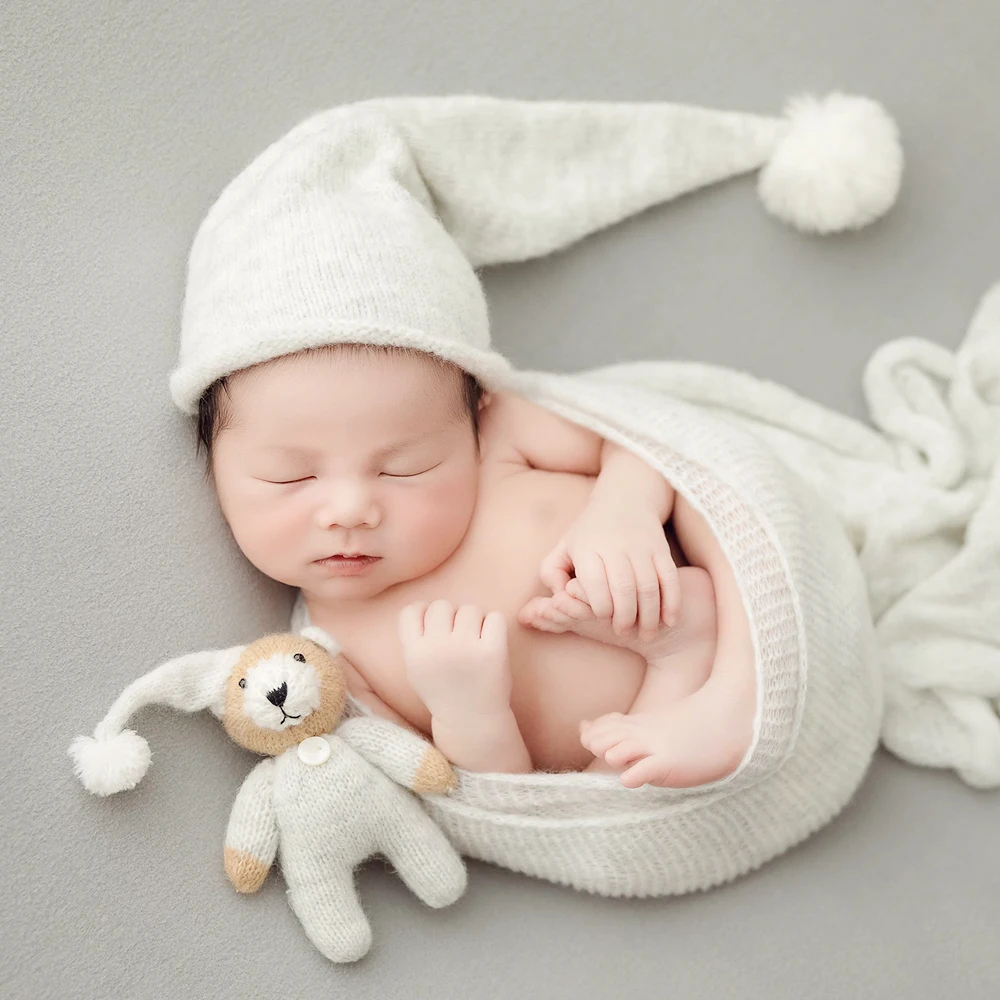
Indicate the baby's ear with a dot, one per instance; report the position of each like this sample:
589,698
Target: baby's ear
321,638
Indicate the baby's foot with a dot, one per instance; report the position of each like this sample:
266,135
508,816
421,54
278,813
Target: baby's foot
692,742
568,611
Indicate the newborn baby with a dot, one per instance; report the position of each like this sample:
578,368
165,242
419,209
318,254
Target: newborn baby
498,578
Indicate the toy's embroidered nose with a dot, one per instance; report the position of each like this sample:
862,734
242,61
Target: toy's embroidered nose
278,695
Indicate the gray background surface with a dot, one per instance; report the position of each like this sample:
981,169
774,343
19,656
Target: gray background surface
119,124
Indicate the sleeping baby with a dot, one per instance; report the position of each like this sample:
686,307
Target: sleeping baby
500,579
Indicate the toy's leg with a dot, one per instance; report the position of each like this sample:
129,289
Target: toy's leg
424,857
327,904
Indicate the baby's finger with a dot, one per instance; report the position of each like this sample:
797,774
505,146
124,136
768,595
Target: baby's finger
410,623
469,620
495,629
593,578
439,617
670,588
647,595
555,569
621,576
579,611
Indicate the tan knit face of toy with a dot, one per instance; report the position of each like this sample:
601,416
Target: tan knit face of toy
334,454
284,689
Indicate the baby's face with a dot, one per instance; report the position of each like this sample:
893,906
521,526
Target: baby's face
328,453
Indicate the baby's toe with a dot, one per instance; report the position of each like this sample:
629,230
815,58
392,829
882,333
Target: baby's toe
625,753
573,607
540,613
652,770
604,733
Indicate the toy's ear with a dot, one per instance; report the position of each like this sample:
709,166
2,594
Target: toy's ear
321,638
116,758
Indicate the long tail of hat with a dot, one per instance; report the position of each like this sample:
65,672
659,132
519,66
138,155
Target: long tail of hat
115,758
511,180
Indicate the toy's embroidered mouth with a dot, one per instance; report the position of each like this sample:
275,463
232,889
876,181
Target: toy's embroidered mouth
285,715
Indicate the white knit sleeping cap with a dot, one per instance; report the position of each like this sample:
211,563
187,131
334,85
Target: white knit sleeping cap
366,223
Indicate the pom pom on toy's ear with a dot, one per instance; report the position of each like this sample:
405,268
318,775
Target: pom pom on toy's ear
838,166
115,758
106,766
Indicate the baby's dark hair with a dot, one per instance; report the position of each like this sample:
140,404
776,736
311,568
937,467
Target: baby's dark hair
214,411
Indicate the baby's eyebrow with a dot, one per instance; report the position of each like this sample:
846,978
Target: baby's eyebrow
395,449
392,449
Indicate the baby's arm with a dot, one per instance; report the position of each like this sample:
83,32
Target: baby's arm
489,743
544,440
457,663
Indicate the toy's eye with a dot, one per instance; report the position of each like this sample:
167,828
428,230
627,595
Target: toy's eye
243,682
299,657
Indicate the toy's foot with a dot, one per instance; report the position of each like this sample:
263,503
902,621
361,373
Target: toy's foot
691,742
568,611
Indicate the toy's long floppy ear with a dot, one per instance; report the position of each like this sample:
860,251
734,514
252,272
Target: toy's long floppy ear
116,758
321,638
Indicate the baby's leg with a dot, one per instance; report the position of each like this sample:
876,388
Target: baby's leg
704,736
669,737
678,662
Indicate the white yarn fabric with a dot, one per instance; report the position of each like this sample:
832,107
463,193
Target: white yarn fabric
869,564
325,820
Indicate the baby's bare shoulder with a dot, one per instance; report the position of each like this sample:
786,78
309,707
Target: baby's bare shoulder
539,437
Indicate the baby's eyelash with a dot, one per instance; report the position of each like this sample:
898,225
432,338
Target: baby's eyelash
391,475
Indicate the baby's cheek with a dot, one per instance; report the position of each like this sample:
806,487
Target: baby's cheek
267,533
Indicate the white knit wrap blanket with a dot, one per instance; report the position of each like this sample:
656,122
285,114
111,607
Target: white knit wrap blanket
869,564
920,498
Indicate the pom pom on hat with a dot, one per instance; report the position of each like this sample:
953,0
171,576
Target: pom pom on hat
839,165
368,223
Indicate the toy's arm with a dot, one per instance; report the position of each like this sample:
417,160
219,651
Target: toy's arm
252,834
403,755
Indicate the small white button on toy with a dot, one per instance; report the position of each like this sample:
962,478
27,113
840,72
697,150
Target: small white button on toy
314,750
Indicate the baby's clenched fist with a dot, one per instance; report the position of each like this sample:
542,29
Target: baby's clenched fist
456,661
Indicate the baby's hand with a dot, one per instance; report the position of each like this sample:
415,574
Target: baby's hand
622,559
456,662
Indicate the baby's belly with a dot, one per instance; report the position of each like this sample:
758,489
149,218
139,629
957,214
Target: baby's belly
558,679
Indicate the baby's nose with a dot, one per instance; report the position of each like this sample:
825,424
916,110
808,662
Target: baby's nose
278,695
350,506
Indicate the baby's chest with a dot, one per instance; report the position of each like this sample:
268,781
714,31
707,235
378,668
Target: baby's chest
520,515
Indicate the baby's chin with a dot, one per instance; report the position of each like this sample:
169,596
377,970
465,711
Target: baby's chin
320,584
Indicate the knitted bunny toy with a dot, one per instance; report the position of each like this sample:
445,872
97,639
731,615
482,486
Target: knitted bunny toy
330,793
